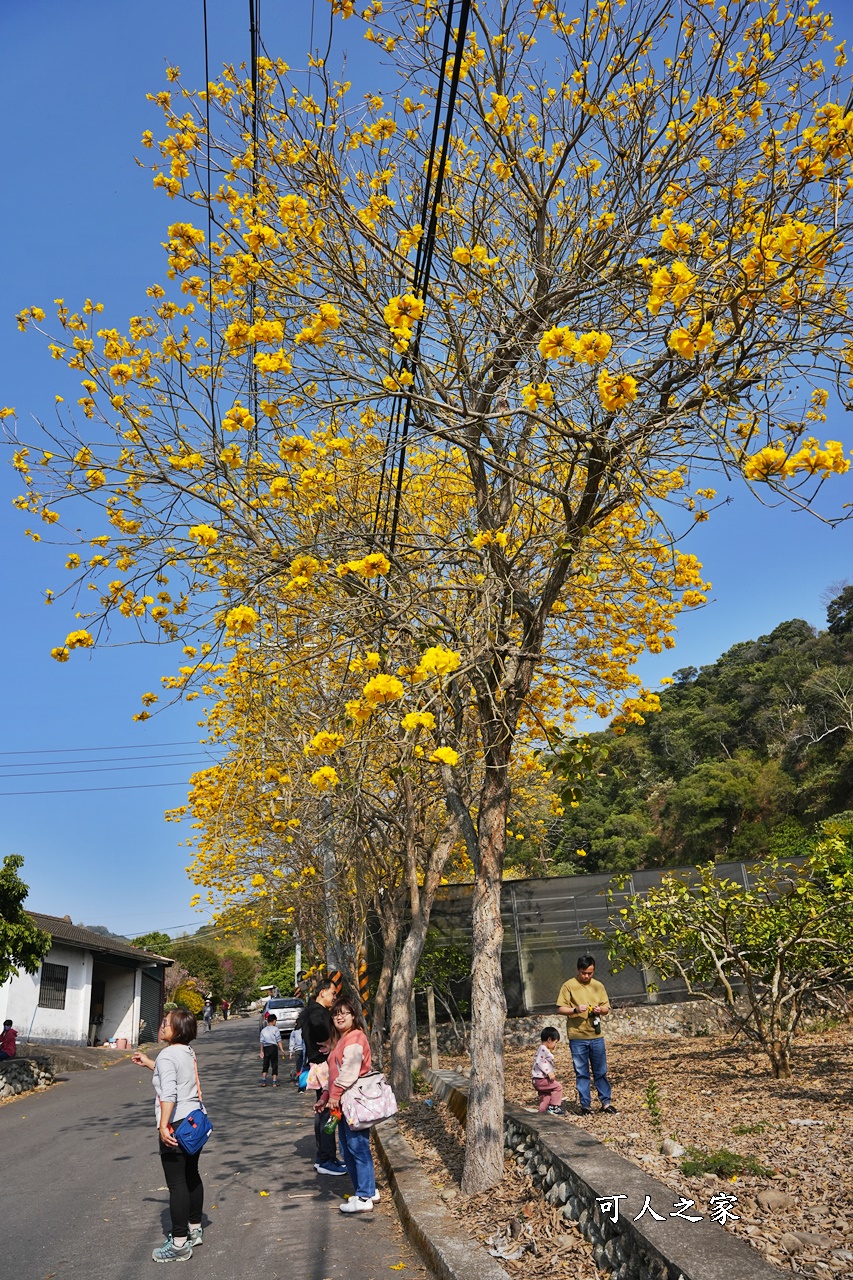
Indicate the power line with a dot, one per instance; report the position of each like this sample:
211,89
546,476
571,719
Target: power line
127,746
107,760
77,791
119,768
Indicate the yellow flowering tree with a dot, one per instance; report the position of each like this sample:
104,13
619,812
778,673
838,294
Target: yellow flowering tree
638,276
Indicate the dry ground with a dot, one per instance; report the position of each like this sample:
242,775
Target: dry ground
712,1094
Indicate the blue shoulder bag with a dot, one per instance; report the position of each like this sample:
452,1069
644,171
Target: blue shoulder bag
194,1130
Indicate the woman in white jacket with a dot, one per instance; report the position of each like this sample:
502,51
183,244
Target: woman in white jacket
177,1094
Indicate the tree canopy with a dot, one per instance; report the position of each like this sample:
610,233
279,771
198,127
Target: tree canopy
433,418
22,945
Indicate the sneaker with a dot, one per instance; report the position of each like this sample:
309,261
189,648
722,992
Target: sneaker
355,1204
376,1197
586,1111
263,1084
196,1237
170,1252
555,1111
333,1167
609,1110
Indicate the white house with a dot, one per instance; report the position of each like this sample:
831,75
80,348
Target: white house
88,989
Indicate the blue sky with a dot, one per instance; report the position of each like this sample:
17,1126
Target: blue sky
80,219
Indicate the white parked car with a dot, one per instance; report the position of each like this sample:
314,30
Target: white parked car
286,1009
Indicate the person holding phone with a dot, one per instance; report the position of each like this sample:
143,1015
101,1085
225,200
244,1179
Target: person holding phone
177,1094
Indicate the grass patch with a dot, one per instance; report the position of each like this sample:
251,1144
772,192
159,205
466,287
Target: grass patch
724,1163
743,1129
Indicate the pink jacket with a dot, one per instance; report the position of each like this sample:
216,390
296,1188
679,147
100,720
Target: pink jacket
349,1060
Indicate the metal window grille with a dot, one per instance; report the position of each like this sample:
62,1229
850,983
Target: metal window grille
54,982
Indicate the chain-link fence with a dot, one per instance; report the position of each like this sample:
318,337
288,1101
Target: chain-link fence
545,923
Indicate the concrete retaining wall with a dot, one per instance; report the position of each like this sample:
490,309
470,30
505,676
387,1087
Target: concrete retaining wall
577,1172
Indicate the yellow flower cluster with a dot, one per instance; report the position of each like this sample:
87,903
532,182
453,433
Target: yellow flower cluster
616,392
317,326
324,778
535,394
670,284
324,743
445,755
79,640
381,689
203,534
677,238
400,314
436,661
241,620
418,720
236,418
810,457
373,566
477,253
687,345
398,382
488,536
295,449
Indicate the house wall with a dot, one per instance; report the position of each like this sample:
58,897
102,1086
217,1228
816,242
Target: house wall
122,991
19,1001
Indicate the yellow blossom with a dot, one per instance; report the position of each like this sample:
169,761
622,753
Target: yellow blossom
445,755
241,620
418,720
203,534
324,778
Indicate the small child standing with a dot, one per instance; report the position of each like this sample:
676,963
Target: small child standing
545,1080
270,1045
296,1047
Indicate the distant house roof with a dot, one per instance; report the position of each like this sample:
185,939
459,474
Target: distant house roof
76,936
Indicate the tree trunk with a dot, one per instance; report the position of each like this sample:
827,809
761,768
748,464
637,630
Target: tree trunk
390,936
401,1000
421,900
779,1053
484,1146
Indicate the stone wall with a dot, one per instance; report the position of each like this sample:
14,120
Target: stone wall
589,1183
690,1018
19,1075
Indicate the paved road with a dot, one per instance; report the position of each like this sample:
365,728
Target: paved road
82,1191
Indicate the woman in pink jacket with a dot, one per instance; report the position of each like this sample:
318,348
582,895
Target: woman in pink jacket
348,1061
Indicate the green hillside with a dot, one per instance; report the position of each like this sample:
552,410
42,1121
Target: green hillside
748,754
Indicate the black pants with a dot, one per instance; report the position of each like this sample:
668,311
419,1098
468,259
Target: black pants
186,1190
327,1151
270,1059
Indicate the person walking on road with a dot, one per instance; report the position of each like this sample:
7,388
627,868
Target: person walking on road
348,1061
316,1026
207,1015
225,1006
177,1094
270,1045
584,1001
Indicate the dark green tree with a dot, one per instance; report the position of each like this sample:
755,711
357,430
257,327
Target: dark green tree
22,945
155,941
202,963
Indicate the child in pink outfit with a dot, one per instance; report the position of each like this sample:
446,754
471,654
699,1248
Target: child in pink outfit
545,1080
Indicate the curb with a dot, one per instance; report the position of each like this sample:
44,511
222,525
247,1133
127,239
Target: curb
450,1252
